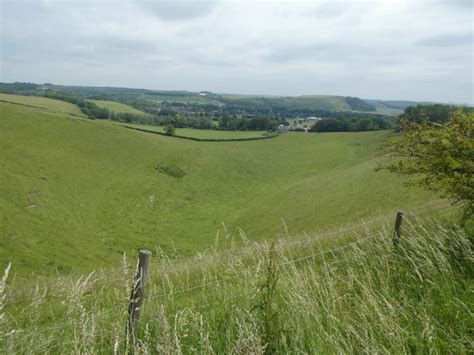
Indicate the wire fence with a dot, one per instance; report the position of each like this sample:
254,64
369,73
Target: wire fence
41,294
234,253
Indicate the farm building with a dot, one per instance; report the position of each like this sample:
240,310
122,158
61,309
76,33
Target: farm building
283,129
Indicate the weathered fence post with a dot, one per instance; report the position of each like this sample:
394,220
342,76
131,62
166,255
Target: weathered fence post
396,234
137,296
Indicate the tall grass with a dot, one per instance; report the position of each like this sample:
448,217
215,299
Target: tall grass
363,296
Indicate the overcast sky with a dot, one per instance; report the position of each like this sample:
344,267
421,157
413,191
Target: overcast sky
416,49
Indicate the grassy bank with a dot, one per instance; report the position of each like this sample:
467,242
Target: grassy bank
361,296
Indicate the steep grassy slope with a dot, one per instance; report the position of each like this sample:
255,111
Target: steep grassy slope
117,107
75,194
51,105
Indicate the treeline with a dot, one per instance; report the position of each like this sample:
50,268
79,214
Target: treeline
430,113
344,125
251,123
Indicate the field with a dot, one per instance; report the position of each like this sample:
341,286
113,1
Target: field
270,246
117,107
201,133
43,103
75,194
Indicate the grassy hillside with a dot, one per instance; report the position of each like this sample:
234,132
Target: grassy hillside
76,194
51,105
117,107
360,297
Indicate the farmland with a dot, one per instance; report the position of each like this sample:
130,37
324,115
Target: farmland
86,191
43,103
80,196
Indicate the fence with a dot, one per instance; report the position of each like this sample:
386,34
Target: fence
137,296
140,279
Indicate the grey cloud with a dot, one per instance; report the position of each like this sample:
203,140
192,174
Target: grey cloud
460,4
178,10
269,48
447,40
336,51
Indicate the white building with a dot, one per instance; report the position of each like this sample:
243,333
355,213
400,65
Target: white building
283,129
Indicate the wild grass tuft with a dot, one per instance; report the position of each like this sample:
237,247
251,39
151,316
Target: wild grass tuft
351,296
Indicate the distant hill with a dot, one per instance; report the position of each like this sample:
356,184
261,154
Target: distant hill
285,106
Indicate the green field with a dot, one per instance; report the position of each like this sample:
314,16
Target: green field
50,105
117,107
76,194
201,133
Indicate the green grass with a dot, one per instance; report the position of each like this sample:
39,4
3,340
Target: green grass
363,297
51,105
75,194
201,133
117,107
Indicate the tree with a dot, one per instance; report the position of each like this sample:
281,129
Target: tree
170,130
439,155
434,113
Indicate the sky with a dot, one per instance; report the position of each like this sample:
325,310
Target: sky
408,50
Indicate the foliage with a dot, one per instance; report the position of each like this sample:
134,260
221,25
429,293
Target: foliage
429,113
254,123
344,125
267,302
170,130
440,155
360,105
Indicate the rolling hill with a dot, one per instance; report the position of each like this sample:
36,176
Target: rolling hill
76,193
50,105
307,104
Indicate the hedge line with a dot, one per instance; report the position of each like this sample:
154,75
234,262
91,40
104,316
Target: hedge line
204,139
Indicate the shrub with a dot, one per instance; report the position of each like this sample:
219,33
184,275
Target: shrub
170,130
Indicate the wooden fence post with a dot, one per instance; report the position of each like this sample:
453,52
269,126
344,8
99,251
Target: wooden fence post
396,234
137,296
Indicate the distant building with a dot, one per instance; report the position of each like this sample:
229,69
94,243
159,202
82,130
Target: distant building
313,119
202,93
283,129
